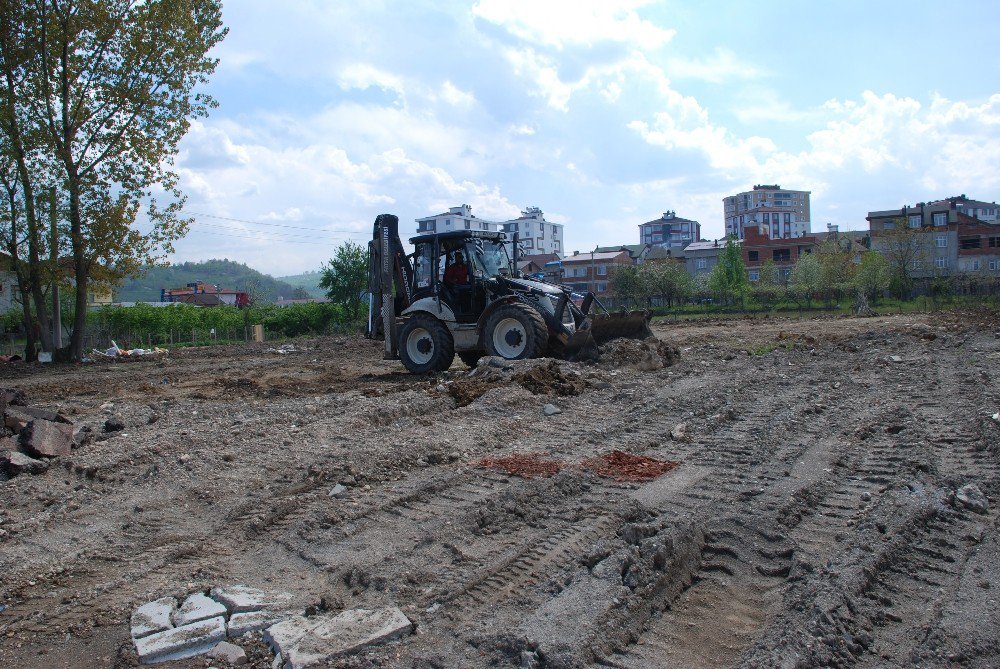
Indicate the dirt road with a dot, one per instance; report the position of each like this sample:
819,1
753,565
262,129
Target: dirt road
812,519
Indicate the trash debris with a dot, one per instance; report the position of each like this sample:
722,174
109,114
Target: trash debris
623,466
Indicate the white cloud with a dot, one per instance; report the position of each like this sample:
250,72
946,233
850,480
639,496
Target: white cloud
453,96
560,23
363,75
721,67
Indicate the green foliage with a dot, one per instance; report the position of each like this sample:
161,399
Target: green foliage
728,278
668,281
223,273
872,276
807,277
345,277
626,283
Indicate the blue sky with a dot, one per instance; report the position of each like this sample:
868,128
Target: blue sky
603,113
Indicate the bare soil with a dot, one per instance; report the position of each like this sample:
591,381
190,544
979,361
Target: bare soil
810,521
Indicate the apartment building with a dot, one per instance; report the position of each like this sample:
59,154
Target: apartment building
670,231
759,248
780,212
702,257
536,235
591,271
456,218
954,236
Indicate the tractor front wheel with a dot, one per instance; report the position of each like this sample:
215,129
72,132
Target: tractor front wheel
516,332
425,345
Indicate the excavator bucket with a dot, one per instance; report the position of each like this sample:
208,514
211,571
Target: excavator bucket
620,325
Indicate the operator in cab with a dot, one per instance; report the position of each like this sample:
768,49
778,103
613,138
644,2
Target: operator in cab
457,273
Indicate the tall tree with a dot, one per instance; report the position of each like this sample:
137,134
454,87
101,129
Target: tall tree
626,283
111,87
807,277
729,277
905,249
345,277
873,275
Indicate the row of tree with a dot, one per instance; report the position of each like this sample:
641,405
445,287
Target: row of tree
95,96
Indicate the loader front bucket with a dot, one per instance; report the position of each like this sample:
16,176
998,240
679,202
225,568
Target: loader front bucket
620,325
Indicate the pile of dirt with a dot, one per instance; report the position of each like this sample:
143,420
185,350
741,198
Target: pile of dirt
622,466
647,355
550,379
467,391
525,465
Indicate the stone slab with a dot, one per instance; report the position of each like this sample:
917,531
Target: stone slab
47,439
197,607
153,617
242,598
312,642
252,621
8,444
15,462
229,653
181,642
44,414
15,420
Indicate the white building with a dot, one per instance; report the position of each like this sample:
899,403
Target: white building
535,233
776,211
456,218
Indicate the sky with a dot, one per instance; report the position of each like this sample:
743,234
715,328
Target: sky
603,113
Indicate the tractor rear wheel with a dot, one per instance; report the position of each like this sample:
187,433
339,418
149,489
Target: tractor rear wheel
425,345
516,332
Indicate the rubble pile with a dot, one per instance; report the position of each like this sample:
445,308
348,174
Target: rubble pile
647,355
32,437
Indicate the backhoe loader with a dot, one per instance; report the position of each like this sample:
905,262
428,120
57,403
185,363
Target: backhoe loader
429,306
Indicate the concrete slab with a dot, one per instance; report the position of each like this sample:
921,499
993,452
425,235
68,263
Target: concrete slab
242,598
153,617
181,642
229,653
198,607
47,439
252,621
15,462
311,642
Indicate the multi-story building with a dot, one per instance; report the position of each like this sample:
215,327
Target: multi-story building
702,257
535,233
592,271
780,212
637,252
456,218
948,240
669,231
759,248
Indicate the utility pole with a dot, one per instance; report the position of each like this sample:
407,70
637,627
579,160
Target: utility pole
56,315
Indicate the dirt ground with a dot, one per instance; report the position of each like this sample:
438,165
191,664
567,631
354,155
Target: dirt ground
811,519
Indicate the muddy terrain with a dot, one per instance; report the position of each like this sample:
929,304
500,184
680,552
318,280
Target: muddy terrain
777,493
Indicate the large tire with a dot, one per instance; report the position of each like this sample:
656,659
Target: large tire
425,345
470,358
516,332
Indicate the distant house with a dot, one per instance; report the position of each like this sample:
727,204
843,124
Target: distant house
205,295
636,252
702,257
670,231
585,272
535,264
784,252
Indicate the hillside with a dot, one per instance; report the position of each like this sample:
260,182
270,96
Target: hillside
309,281
224,273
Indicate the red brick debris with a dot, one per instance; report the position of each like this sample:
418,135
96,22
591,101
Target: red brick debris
623,466
525,465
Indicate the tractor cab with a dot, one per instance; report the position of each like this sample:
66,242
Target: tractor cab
458,267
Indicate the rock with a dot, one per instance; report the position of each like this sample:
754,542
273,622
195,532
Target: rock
8,444
338,491
866,497
114,424
494,361
44,414
679,433
551,410
312,642
153,617
198,607
253,621
11,397
15,462
184,458
972,498
47,439
229,653
895,358
15,420
181,642
529,660
243,598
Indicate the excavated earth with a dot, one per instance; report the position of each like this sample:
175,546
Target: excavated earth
812,518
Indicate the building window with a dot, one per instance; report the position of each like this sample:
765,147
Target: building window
602,270
753,256
914,221
995,265
702,263
754,275
994,242
976,266
940,263
602,287
941,241
940,218
468,224
788,219
657,238
889,225
781,255
970,243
